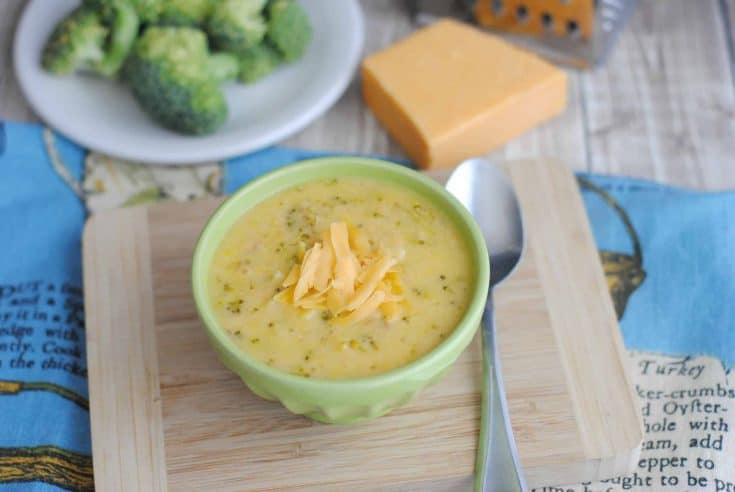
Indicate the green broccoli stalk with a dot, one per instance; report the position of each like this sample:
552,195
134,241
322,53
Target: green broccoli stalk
223,67
169,77
185,12
236,25
258,62
289,29
122,36
77,42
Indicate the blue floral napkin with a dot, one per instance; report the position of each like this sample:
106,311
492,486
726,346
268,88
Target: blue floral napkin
668,256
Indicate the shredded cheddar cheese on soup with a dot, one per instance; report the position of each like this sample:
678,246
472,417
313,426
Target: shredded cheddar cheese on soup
343,275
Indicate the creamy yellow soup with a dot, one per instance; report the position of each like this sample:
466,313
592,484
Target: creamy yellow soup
341,278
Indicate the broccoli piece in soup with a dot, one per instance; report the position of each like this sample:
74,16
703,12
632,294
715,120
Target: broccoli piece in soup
289,29
170,74
236,25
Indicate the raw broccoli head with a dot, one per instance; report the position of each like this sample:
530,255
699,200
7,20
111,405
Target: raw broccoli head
289,29
258,62
147,10
236,25
185,12
223,67
85,41
168,74
78,42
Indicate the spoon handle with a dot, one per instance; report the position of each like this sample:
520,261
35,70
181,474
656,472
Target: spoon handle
498,468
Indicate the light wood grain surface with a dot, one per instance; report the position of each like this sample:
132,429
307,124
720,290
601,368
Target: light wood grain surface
129,429
558,337
662,107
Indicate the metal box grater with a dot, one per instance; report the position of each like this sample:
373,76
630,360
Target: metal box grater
579,33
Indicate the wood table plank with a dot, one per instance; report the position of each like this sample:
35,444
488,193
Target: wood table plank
349,126
125,398
664,105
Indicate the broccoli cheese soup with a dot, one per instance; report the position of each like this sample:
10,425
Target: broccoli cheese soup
341,278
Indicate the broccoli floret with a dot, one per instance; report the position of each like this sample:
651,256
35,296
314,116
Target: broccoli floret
258,62
223,67
78,42
169,77
236,25
147,10
83,41
185,12
120,41
289,29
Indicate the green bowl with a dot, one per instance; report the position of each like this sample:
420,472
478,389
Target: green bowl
350,400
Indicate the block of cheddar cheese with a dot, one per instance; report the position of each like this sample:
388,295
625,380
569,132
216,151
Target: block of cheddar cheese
450,91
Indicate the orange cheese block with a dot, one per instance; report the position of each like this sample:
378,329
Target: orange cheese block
450,91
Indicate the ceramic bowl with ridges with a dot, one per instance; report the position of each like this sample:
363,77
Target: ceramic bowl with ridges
349,400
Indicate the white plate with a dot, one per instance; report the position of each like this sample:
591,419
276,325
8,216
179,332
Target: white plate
102,115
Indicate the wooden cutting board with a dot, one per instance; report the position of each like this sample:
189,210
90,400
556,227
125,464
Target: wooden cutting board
166,415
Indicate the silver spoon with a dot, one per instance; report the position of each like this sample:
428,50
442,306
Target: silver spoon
488,195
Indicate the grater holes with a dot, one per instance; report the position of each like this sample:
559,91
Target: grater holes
572,27
498,7
547,20
522,13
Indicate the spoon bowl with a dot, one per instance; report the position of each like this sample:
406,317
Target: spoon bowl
488,194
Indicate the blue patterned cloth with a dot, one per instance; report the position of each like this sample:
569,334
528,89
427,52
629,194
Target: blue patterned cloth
686,304
667,252
43,393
